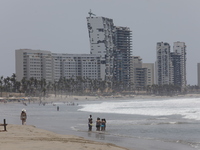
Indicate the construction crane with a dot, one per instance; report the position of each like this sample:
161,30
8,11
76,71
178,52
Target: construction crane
90,13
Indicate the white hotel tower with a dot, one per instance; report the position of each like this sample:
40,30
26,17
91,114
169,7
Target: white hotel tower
101,38
163,69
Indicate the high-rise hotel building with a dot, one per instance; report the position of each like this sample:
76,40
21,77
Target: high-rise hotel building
179,48
101,36
52,66
163,72
114,45
171,66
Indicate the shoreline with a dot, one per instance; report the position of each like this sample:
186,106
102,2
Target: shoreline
136,142
76,99
29,137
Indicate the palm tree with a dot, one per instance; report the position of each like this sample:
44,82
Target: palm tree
13,80
6,85
18,85
1,85
24,85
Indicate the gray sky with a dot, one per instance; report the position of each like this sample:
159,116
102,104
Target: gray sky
60,26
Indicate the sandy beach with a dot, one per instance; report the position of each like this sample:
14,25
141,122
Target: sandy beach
20,137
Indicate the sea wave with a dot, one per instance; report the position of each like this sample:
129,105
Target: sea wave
188,108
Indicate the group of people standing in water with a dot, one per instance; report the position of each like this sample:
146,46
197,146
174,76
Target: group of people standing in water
100,124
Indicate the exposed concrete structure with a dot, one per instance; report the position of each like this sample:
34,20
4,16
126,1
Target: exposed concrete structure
180,49
122,54
176,68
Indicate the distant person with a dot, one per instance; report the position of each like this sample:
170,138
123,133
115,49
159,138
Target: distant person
103,124
98,124
90,123
57,108
23,117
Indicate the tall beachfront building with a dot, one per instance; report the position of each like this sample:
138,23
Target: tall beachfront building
114,44
52,66
101,36
171,66
163,64
179,48
122,56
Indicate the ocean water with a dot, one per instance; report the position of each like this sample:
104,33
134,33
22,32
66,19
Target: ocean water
140,124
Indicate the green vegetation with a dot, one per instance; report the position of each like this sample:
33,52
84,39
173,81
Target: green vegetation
81,86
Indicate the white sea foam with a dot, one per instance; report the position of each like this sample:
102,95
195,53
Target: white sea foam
188,108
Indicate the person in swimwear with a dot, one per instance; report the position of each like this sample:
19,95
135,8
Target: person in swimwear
98,124
90,123
103,124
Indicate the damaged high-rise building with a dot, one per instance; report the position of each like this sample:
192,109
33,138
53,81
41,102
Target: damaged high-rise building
114,45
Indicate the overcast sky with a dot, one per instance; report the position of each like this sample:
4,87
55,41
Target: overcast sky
60,26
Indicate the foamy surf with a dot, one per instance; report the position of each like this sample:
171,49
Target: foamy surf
188,108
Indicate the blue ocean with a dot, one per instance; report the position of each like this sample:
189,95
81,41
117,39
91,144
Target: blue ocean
139,124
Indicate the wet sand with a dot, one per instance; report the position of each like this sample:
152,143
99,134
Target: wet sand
19,137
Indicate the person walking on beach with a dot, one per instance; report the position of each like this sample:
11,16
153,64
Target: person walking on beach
90,123
23,117
98,124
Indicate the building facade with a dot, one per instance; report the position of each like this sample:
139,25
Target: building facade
77,65
163,68
179,48
150,73
33,63
114,45
171,66
176,69
101,39
122,56
139,75
52,66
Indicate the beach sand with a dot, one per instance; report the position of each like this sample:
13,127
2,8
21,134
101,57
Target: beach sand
25,137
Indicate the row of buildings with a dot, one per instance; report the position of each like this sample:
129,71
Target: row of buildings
110,59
